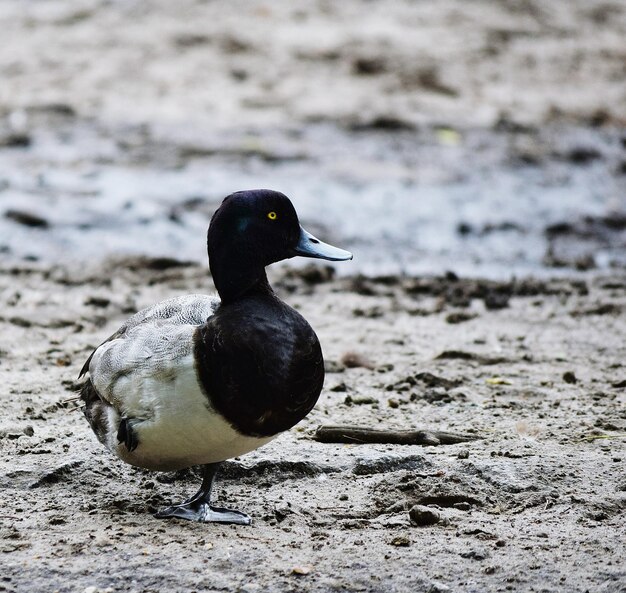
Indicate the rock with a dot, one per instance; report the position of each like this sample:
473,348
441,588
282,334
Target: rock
475,554
496,300
96,301
16,140
26,218
570,377
333,366
422,515
369,65
434,381
460,317
360,400
401,540
353,360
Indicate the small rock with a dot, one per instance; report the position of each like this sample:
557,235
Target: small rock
96,301
353,360
422,515
464,454
282,510
570,377
333,366
360,400
475,554
16,140
459,317
400,541
496,300
27,219
369,65
393,403
581,155
29,431
63,361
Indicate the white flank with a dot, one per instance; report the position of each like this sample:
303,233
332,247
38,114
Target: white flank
148,376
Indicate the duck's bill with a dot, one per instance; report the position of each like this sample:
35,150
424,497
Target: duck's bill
310,246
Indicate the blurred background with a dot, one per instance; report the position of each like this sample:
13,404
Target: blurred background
485,138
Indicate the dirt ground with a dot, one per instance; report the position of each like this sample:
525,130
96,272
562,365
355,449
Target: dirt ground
122,125
536,369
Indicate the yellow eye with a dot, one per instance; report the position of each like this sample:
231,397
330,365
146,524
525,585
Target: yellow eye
272,215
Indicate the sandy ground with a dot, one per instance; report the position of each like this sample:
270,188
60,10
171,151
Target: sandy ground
122,124
536,505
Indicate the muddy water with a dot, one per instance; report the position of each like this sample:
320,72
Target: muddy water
493,202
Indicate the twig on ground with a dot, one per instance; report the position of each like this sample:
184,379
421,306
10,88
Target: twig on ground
361,434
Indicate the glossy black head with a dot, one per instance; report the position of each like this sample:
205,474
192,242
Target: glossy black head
252,229
262,222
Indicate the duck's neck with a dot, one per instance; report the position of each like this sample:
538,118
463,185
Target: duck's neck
237,278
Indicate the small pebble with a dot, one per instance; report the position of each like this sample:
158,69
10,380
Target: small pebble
333,366
360,400
422,515
401,541
353,360
570,377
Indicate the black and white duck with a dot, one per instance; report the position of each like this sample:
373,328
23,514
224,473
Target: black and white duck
196,379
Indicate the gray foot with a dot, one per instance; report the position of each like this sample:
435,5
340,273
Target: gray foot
202,512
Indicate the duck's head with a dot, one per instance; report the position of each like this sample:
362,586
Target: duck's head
252,229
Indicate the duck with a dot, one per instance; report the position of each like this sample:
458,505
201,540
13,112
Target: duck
197,379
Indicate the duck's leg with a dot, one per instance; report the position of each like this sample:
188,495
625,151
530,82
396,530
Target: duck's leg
199,508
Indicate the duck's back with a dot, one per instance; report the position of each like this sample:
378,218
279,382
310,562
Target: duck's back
261,364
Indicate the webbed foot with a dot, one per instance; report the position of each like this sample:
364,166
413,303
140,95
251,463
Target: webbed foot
198,507
203,512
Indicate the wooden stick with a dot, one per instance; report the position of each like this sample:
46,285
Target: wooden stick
361,434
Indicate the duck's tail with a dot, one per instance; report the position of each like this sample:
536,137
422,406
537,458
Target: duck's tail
95,410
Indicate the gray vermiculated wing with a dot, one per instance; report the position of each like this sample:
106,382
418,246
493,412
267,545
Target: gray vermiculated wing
192,309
